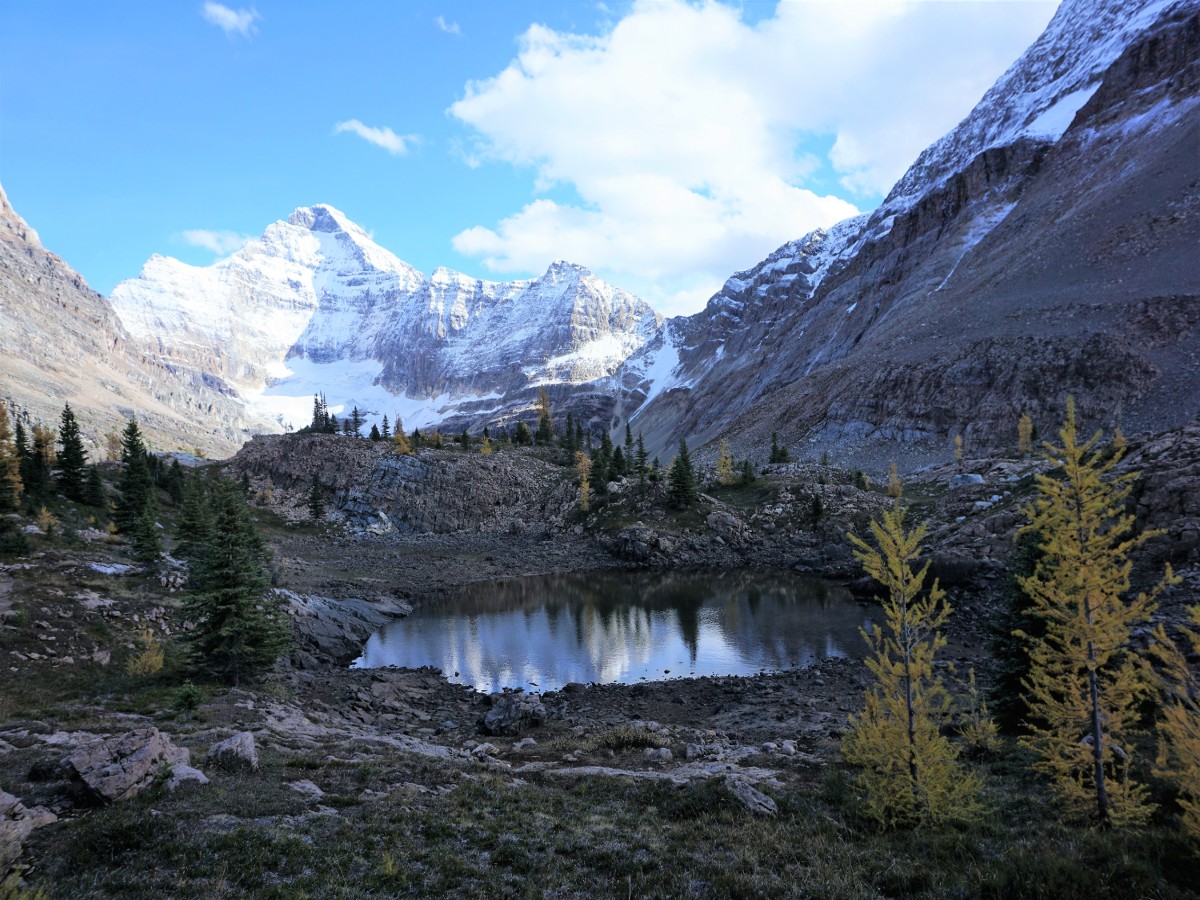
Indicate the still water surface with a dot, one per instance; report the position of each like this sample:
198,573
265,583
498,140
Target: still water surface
540,633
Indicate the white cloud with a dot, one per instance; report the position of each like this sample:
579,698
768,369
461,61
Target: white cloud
221,243
694,140
231,21
448,27
396,144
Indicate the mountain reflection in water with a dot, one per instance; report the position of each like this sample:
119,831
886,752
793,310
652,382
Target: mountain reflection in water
542,632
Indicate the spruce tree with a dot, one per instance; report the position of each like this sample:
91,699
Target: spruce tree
522,435
1085,678
618,463
910,772
137,484
628,445
385,430
641,461
72,459
94,494
238,631
174,482
147,546
193,527
375,434
567,441
316,502
681,489
545,429
779,453
21,447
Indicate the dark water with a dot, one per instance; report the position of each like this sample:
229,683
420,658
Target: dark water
540,633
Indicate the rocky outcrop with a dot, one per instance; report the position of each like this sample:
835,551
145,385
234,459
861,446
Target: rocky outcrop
116,768
329,630
17,822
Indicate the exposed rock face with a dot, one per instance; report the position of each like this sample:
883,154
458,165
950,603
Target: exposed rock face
52,321
336,630
235,754
116,768
378,490
1045,247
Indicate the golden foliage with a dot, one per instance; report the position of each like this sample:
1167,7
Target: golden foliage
978,729
1085,684
958,447
894,487
910,770
725,464
10,465
1025,435
149,660
46,520
1179,728
583,467
486,446
399,439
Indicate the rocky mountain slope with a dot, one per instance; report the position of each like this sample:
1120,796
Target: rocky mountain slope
316,305
51,320
1047,246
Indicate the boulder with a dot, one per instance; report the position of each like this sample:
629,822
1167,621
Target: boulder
966,480
116,768
750,797
181,775
235,754
16,823
726,526
512,713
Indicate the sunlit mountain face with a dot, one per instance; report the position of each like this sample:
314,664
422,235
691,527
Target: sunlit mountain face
541,633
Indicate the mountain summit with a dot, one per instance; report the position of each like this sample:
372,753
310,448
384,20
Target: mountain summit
315,305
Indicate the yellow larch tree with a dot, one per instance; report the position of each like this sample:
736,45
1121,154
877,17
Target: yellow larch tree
910,771
583,467
1179,727
399,439
725,464
1085,684
1025,435
894,487
10,466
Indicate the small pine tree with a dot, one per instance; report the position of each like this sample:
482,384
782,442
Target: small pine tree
238,631
978,728
137,483
910,770
725,465
94,494
39,464
894,487
583,466
567,441
816,509
385,430
147,546
629,451
640,456
193,527
174,482
522,435
1025,435
1084,678
465,440
618,463
779,453
316,501
72,459
1179,727
375,434
545,429
681,489
748,475
356,422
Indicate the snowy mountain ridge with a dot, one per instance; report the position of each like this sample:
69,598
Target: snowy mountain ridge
316,305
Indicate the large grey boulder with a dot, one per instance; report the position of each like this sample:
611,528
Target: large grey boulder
235,754
512,713
116,768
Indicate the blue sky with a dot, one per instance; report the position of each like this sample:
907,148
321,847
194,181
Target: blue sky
662,144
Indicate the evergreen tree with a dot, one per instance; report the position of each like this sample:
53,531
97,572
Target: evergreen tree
375,435
747,472
316,502
137,484
779,453
11,485
628,446
618,463
94,494
465,440
417,438
41,461
320,414
385,431
147,546
1017,632
174,482
567,441
72,459
245,485
522,434
641,462
21,447
725,464
193,527
356,422
238,630
545,429
681,489
910,771
1084,678
579,435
